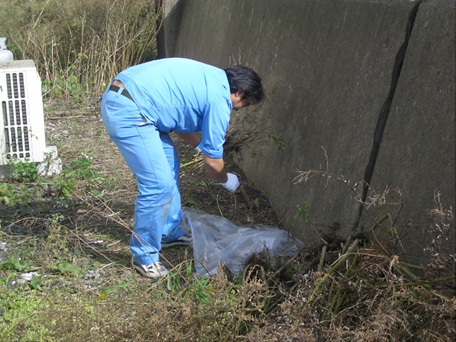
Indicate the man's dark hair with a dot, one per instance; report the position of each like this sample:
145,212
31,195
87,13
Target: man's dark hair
242,78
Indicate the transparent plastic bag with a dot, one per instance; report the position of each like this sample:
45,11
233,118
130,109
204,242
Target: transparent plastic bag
218,241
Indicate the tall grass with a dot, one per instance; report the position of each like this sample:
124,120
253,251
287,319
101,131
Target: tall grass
81,45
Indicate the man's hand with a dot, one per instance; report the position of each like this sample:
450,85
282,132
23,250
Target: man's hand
232,182
215,167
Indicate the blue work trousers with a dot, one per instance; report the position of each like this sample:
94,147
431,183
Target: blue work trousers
153,158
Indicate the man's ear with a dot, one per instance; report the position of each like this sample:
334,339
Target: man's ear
239,94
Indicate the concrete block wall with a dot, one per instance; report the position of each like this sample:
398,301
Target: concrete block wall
359,91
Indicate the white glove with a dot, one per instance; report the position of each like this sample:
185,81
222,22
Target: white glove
232,182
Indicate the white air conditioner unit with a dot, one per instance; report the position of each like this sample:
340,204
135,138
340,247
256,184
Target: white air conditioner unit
22,134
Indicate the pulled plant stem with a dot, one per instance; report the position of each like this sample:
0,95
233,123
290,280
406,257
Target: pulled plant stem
322,258
333,269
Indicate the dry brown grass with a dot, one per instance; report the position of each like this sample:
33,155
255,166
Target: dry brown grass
79,46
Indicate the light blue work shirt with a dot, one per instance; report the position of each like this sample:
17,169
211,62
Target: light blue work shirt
183,95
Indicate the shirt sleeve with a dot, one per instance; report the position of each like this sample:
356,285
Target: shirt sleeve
214,125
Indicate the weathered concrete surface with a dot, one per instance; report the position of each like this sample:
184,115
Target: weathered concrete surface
417,150
169,31
328,68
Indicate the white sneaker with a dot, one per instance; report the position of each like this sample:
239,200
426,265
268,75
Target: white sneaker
184,240
155,270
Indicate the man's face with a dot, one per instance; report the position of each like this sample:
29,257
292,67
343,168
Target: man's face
237,100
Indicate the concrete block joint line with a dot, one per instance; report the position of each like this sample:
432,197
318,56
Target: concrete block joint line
372,82
385,109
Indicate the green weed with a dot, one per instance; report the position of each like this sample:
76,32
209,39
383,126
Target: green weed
26,185
65,86
190,202
187,284
17,307
18,194
277,141
13,264
302,211
80,169
253,152
23,171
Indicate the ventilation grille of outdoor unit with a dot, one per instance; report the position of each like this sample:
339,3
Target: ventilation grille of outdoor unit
22,134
